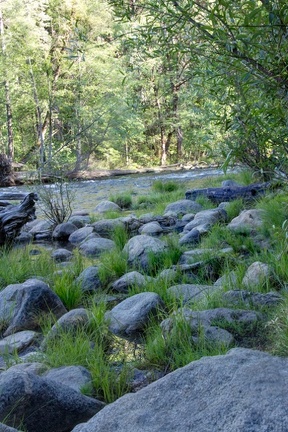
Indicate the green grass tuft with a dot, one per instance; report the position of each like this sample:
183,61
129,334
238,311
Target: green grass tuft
165,186
177,348
124,200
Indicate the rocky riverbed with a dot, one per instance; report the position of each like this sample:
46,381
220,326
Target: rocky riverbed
243,390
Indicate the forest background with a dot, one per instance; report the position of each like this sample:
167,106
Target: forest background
129,83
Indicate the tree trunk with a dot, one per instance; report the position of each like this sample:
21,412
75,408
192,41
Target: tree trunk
179,142
40,134
10,146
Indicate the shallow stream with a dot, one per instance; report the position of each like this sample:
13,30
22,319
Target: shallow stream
89,193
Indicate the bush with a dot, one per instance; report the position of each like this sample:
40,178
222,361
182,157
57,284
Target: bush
55,201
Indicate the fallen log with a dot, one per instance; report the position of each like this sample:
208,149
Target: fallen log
229,193
13,196
13,217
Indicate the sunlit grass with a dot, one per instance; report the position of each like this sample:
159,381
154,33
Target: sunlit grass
112,265
177,348
66,288
20,264
123,200
165,186
90,347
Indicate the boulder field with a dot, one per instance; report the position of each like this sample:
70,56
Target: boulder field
244,390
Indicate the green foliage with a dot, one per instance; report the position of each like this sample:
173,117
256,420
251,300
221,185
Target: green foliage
246,82
149,96
165,186
275,212
120,237
67,290
123,200
156,201
234,209
89,347
219,237
165,259
205,202
177,348
68,349
113,265
277,329
18,265
108,382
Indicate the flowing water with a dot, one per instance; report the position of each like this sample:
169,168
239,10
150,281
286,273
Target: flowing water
89,193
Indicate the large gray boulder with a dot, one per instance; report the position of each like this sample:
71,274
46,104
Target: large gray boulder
193,237
61,255
89,279
106,227
243,391
257,274
40,227
79,220
191,292
139,247
63,231
70,322
130,317
33,298
129,280
151,228
80,235
182,207
75,377
248,220
41,405
105,206
95,246
206,218
8,301
18,341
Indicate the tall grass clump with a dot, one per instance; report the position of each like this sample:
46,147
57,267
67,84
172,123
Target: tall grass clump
89,346
18,265
177,348
68,290
234,208
159,261
120,236
109,383
277,329
205,202
68,349
123,200
165,186
157,201
112,265
275,212
220,237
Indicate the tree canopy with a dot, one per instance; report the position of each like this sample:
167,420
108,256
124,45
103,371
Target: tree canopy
134,82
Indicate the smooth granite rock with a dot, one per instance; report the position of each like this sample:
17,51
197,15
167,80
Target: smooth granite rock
242,391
